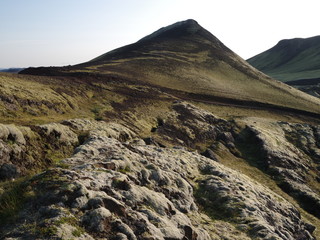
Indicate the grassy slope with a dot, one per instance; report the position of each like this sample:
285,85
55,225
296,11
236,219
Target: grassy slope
291,59
29,100
194,61
32,98
26,99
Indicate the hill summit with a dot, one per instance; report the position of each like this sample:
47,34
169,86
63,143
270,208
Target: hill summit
187,27
180,31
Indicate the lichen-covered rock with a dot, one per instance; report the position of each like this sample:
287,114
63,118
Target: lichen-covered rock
57,132
116,185
97,219
189,125
13,149
289,152
251,206
34,147
95,128
12,134
155,193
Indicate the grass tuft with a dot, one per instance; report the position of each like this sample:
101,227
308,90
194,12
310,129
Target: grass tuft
14,195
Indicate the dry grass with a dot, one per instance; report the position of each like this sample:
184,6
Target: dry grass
13,195
28,100
230,112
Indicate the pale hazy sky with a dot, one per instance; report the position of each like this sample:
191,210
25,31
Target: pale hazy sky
63,32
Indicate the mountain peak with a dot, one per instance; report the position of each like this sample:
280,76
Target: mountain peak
185,35
178,29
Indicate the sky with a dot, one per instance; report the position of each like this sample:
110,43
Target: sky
66,32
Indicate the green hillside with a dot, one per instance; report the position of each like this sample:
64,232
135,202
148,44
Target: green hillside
291,59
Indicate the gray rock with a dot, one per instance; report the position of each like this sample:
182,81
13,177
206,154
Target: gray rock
57,131
189,125
8,171
125,229
121,236
94,203
12,133
97,220
210,154
285,151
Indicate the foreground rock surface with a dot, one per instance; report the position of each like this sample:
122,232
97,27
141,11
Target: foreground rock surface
290,153
124,189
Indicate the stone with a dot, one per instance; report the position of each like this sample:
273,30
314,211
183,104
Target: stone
58,132
189,125
114,206
121,236
226,137
285,151
94,203
12,133
97,219
8,171
124,228
210,154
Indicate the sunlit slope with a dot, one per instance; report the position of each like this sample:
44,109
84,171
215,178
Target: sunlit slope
291,59
28,99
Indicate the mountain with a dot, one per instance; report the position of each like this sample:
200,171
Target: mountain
187,58
171,137
294,61
11,70
291,60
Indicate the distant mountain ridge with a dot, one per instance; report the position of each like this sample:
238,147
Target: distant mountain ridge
291,59
11,70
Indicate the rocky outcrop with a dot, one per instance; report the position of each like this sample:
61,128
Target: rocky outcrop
289,153
189,126
116,185
29,148
25,149
115,189
13,148
94,128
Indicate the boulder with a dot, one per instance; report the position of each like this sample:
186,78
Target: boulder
8,171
